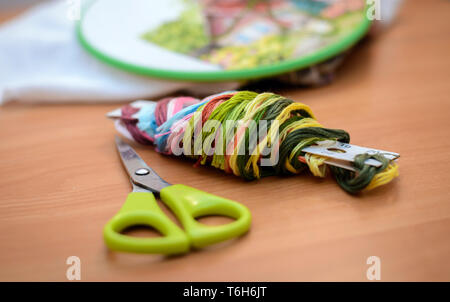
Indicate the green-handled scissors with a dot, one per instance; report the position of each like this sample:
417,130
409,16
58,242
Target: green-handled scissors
185,202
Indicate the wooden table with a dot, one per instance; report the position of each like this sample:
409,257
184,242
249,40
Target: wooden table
60,181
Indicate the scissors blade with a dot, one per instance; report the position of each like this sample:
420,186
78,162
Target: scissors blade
140,174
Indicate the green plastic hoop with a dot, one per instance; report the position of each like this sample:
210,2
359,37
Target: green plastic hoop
229,75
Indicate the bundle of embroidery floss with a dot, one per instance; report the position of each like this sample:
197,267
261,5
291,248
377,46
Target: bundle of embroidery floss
199,129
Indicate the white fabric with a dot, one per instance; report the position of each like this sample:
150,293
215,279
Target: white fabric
41,60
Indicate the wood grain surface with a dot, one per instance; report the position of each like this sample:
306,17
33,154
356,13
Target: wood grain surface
61,180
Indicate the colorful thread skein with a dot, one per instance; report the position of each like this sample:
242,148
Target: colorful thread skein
171,120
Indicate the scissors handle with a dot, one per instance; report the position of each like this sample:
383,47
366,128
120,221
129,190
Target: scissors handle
188,203
141,208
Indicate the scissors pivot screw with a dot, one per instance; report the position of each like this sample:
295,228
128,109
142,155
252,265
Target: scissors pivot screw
142,171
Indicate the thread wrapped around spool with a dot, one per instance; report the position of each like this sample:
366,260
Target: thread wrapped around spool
171,124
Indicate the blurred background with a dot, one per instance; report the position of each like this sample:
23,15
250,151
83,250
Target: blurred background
14,4
11,8
50,34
